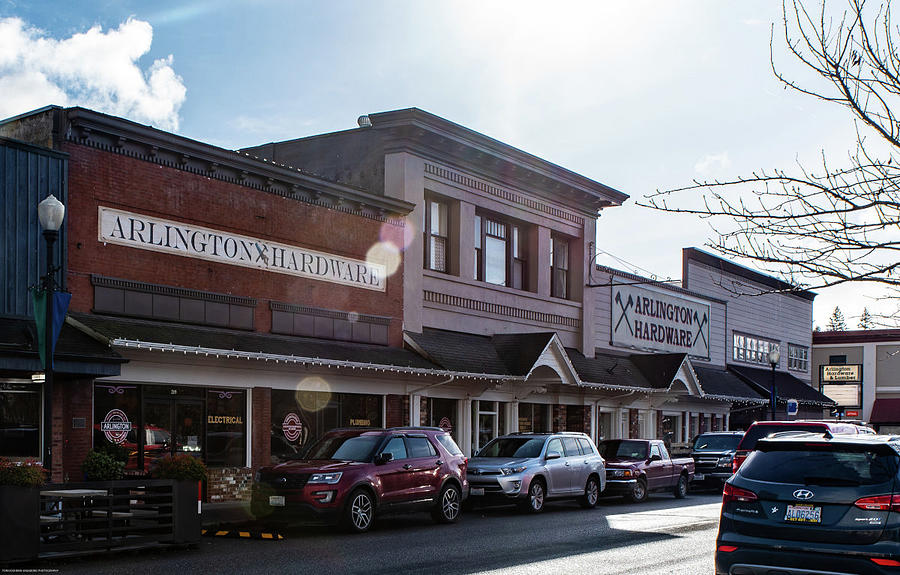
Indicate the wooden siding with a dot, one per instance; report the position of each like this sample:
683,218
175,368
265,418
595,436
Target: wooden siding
27,175
781,317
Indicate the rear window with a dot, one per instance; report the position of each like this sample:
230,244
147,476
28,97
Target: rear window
449,444
757,432
805,464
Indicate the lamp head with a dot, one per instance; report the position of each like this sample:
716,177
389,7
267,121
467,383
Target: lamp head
51,213
774,356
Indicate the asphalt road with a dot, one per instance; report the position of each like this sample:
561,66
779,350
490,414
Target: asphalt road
661,535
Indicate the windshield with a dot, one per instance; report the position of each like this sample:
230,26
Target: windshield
717,442
513,447
623,449
813,465
344,448
757,432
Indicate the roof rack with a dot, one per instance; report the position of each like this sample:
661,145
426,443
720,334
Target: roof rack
415,428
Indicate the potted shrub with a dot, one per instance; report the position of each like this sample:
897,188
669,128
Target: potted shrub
20,509
187,472
101,466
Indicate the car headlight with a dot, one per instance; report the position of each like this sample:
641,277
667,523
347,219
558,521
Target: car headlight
512,470
330,478
619,472
725,461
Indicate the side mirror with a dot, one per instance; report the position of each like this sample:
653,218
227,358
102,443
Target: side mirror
383,458
553,455
655,457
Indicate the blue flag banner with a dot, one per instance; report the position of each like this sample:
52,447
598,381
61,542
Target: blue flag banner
60,308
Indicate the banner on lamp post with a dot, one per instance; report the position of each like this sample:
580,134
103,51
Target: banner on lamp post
60,304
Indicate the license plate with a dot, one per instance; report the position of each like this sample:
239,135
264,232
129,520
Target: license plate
476,491
276,500
698,477
803,514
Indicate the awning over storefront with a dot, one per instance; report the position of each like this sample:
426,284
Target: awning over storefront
719,383
611,371
788,386
885,411
76,353
128,333
507,354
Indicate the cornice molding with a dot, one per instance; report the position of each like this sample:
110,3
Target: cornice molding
499,309
119,136
452,176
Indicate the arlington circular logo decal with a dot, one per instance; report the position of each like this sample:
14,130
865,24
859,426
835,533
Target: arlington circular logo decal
115,426
292,427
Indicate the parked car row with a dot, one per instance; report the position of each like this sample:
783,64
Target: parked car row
351,476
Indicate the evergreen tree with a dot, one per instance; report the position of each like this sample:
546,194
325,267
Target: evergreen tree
836,321
865,320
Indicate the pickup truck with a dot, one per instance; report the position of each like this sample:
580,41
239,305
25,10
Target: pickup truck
635,467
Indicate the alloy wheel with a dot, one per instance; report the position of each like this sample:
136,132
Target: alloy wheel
361,511
450,504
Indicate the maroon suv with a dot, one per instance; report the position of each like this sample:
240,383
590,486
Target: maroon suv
350,475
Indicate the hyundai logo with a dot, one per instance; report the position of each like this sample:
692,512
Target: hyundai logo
803,494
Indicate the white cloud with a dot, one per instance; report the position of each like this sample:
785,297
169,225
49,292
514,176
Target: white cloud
712,163
94,69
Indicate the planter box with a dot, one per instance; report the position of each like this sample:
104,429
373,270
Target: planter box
20,527
186,512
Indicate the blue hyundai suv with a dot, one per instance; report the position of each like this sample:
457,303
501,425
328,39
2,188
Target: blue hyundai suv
813,504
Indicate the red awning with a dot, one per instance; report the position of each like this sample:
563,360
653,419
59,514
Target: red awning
885,411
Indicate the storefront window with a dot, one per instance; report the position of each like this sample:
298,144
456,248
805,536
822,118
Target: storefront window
442,413
604,425
575,418
671,429
226,431
532,417
487,422
300,418
20,420
116,417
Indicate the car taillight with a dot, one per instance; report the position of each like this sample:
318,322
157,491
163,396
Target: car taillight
879,503
884,562
731,548
739,458
732,493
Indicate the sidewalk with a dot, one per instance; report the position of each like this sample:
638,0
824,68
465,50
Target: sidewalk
225,513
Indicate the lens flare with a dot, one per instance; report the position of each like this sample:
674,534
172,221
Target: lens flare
313,393
386,254
401,237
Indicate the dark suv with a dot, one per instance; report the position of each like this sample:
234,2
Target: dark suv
713,453
350,475
806,503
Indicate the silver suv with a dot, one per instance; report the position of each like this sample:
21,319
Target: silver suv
529,468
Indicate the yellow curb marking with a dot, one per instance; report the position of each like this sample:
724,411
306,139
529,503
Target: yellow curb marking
243,534
218,533
266,535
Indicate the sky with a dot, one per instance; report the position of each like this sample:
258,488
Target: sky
641,96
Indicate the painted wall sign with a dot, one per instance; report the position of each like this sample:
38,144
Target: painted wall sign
644,318
292,427
226,419
842,373
149,233
115,426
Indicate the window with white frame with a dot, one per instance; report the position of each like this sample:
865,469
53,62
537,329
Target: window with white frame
500,252
559,267
436,233
752,349
798,357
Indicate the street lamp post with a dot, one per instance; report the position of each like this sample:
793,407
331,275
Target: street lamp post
50,214
774,357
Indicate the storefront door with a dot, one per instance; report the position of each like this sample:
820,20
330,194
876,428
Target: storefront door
178,422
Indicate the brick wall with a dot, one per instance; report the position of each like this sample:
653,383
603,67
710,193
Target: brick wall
99,178
261,448
559,418
397,408
229,484
72,399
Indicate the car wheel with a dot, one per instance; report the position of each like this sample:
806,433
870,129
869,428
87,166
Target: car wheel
536,495
359,515
448,505
681,488
591,493
638,492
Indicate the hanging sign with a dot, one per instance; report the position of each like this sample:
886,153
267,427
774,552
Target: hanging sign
850,373
155,234
650,319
